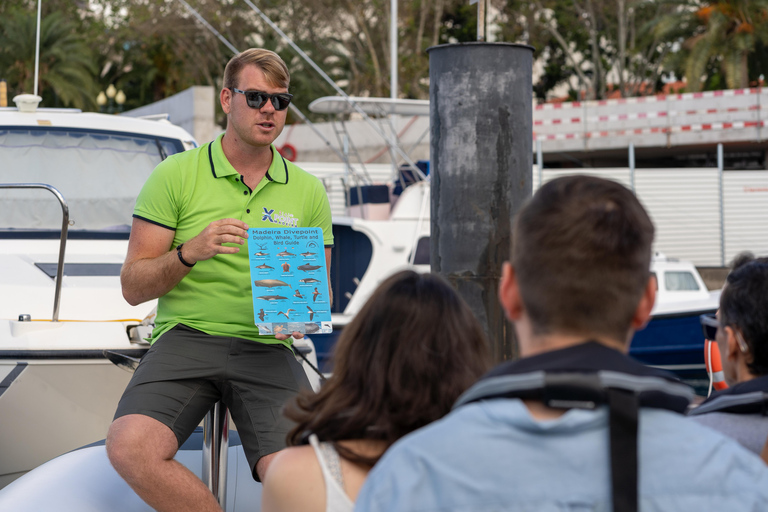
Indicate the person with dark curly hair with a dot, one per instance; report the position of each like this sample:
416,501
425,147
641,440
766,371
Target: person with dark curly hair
741,331
400,364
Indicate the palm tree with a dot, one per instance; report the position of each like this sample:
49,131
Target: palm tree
727,33
67,68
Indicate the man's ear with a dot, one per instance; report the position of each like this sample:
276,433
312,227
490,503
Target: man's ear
225,97
509,293
647,300
731,343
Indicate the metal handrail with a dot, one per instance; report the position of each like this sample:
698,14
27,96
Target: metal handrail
64,228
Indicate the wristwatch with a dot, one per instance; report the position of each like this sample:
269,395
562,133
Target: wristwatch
181,258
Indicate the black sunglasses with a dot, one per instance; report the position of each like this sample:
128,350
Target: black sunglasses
257,99
709,325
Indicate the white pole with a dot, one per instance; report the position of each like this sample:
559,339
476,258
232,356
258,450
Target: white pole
37,44
720,167
393,79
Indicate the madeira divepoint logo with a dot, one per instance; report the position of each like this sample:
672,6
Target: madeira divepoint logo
282,218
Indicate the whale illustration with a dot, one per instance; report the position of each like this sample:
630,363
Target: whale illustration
285,253
272,297
309,280
310,328
307,267
270,283
264,265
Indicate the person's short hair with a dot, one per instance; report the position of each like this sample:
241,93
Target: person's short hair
581,250
400,364
275,70
744,306
741,259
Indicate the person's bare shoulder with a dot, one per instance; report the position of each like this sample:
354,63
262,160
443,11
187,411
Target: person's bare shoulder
294,482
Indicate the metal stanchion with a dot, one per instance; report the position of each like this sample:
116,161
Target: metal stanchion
215,445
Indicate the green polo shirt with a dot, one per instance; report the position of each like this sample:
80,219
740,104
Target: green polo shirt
188,191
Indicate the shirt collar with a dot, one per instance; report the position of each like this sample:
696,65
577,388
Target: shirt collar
220,166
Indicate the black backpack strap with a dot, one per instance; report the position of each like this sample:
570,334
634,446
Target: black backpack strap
623,409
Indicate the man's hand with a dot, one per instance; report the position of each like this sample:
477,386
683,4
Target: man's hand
210,241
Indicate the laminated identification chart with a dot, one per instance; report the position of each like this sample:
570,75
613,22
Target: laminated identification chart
289,280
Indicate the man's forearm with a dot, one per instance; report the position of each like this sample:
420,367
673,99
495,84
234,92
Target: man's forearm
149,278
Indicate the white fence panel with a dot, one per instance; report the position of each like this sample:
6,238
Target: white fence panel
746,212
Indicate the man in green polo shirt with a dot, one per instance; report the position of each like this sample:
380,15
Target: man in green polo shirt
188,248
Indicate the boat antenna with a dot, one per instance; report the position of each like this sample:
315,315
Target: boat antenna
349,100
291,106
37,44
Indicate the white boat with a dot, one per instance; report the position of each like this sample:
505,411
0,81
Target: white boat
58,391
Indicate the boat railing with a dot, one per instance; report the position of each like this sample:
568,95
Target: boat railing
64,228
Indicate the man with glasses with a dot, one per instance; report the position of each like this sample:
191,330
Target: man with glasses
741,331
188,248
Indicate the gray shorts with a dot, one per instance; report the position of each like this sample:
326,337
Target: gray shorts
187,371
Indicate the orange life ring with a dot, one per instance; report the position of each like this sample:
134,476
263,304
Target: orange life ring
714,364
287,151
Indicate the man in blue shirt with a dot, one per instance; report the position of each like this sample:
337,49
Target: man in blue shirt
522,439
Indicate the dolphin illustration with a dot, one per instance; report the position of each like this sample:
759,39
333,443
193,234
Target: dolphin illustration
265,328
285,253
307,267
287,312
261,253
272,297
309,328
264,265
270,283
309,280
261,315
307,254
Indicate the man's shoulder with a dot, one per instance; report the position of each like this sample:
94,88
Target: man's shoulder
299,175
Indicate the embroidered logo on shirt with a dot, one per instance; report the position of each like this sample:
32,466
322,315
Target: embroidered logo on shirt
282,218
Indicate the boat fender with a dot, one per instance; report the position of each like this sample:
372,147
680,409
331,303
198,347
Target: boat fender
714,365
623,393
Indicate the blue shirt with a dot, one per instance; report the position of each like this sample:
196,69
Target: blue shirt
493,456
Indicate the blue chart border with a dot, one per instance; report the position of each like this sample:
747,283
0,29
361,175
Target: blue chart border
289,280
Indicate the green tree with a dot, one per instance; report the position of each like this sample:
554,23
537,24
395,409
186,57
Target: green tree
66,66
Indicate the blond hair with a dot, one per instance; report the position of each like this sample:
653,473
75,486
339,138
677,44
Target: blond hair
275,70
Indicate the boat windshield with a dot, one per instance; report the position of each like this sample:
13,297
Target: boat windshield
99,173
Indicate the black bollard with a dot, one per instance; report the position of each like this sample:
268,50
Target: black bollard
481,154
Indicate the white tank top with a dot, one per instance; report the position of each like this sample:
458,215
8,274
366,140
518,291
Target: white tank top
336,499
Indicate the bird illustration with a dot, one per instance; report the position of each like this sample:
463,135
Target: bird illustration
298,294
287,312
261,315
311,313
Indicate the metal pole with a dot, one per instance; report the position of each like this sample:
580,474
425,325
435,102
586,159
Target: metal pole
632,166
37,43
481,149
539,163
393,80
62,242
720,166
215,447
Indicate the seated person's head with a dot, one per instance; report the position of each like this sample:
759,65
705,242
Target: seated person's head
400,364
581,255
743,333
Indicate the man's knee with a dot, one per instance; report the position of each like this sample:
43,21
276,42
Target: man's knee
135,441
